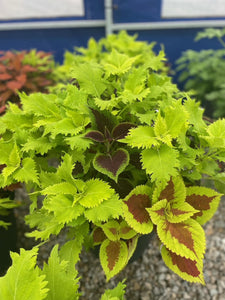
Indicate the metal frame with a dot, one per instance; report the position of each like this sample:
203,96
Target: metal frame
109,25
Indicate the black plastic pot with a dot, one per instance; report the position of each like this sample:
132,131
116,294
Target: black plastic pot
142,245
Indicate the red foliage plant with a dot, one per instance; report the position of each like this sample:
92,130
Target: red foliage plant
28,71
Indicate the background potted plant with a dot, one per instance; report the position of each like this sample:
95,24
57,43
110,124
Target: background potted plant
203,72
28,71
119,151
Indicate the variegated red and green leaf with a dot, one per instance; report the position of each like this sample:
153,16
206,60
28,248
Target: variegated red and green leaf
113,257
172,212
190,270
186,239
174,190
112,165
131,245
205,200
112,230
126,232
98,236
135,209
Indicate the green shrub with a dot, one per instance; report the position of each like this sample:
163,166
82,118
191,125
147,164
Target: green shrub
204,72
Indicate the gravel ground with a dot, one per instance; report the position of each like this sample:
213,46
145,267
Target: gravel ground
148,278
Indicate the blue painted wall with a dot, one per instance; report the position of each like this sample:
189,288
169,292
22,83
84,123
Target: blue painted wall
58,40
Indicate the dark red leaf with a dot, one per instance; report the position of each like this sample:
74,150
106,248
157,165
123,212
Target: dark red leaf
95,135
121,130
112,163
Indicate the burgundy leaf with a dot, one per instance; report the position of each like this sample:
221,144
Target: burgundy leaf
112,165
96,136
121,130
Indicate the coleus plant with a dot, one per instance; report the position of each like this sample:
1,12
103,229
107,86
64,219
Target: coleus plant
28,71
119,154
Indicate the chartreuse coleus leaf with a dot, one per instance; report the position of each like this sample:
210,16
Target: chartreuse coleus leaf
40,145
190,270
134,209
115,294
216,134
60,188
63,208
176,118
40,104
205,200
45,222
161,163
27,172
78,142
195,114
23,280
161,131
113,257
115,231
13,162
90,78
135,87
112,165
110,208
118,63
141,137
57,276
95,192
